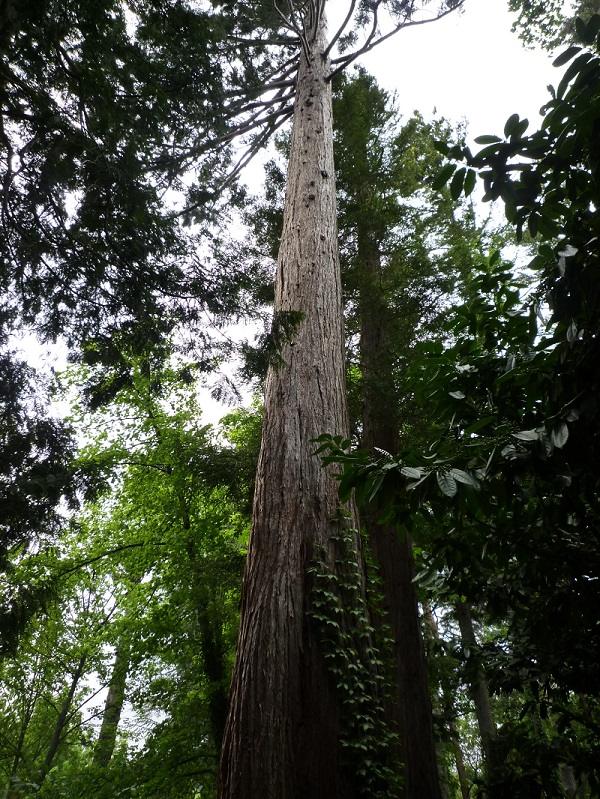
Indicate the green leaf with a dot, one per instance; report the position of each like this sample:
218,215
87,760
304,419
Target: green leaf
577,66
479,425
565,56
425,577
560,434
447,484
495,257
520,129
374,486
526,435
465,478
443,176
532,224
487,139
458,181
592,29
470,181
457,394
511,125
413,473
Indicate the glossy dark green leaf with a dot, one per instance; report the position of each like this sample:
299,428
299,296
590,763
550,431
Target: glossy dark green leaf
488,139
479,425
470,180
457,183
527,435
532,223
572,332
576,67
511,125
443,176
560,435
447,484
592,29
520,129
464,477
412,473
566,56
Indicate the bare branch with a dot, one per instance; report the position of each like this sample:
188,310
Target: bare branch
253,121
234,111
344,61
283,42
106,554
256,146
341,29
262,117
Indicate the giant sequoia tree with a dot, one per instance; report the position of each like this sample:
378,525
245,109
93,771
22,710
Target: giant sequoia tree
282,736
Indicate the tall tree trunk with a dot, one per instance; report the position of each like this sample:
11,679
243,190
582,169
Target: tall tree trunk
567,781
61,721
113,707
410,705
282,734
481,699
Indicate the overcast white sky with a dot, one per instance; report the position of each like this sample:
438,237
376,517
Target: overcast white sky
468,65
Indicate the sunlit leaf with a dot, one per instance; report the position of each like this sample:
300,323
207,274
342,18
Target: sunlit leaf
447,484
560,434
527,435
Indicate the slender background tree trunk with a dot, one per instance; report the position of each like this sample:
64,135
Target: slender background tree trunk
282,735
409,706
113,707
481,700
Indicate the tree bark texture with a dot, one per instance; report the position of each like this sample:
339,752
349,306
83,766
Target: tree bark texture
282,734
12,791
409,707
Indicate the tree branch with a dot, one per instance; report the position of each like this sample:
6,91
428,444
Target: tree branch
341,29
344,61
